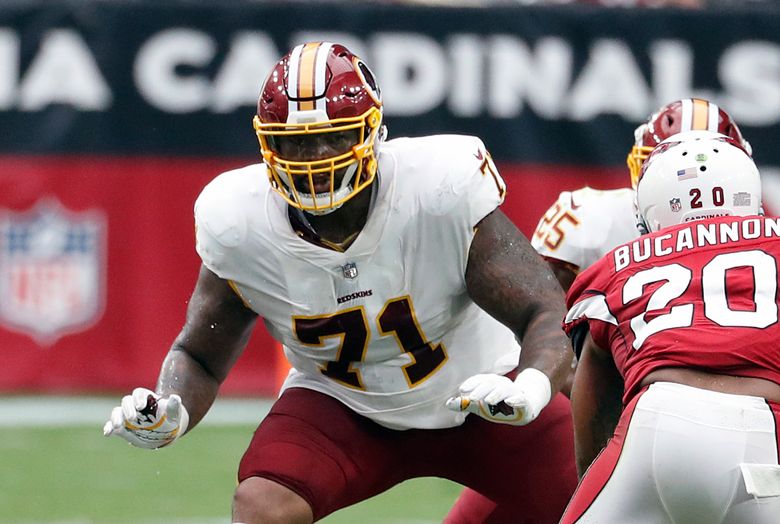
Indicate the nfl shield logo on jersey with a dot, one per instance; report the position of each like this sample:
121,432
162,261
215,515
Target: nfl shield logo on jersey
675,205
350,270
52,270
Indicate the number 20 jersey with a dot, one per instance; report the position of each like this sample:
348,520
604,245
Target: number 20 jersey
386,327
702,295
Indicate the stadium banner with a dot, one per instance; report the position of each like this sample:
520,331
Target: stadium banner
113,116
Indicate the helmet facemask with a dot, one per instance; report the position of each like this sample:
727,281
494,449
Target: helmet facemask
637,155
347,172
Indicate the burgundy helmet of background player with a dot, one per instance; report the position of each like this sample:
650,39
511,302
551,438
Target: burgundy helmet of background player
688,114
320,93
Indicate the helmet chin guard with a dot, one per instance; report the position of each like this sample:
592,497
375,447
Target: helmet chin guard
318,94
325,203
320,205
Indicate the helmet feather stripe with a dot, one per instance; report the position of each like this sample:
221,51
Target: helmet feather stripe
320,74
687,115
700,120
712,125
292,78
306,78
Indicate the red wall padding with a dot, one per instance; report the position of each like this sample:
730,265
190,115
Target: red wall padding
150,265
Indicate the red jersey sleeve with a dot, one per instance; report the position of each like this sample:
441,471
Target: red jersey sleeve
587,305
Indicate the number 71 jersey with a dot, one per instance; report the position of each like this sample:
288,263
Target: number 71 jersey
387,326
702,295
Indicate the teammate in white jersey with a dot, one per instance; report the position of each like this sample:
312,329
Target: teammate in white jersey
398,291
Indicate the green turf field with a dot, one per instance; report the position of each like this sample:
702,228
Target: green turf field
74,475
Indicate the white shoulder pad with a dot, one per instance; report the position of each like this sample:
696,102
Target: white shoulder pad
446,171
585,224
221,212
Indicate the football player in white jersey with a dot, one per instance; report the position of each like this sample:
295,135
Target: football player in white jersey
398,290
585,224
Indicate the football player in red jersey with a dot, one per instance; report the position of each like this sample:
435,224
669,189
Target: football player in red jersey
399,291
585,224
681,380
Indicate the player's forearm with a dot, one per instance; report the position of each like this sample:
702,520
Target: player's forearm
185,376
588,439
596,404
217,329
592,431
586,449
546,348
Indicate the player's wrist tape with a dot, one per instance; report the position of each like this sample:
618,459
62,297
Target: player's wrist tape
537,387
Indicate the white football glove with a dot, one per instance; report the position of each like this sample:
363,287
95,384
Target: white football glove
499,399
147,420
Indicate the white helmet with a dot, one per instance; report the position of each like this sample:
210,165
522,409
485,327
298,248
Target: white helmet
695,175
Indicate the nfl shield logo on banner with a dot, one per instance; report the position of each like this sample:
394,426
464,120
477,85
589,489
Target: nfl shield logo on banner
52,270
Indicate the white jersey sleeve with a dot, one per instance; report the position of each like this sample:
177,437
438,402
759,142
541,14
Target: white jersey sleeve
584,225
466,188
469,178
221,221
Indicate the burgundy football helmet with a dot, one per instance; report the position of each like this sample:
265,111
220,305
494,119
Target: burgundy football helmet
688,114
320,97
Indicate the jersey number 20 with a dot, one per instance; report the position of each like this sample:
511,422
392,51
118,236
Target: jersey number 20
715,296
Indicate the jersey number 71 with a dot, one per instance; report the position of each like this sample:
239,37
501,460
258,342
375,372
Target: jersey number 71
397,318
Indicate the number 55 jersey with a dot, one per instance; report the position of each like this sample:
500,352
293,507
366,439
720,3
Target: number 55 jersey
583,225
702,295
386,327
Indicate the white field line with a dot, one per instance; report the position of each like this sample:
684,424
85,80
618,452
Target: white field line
200,520
57,411
194,520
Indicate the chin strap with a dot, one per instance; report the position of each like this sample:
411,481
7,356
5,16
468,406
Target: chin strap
639,222
641,226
